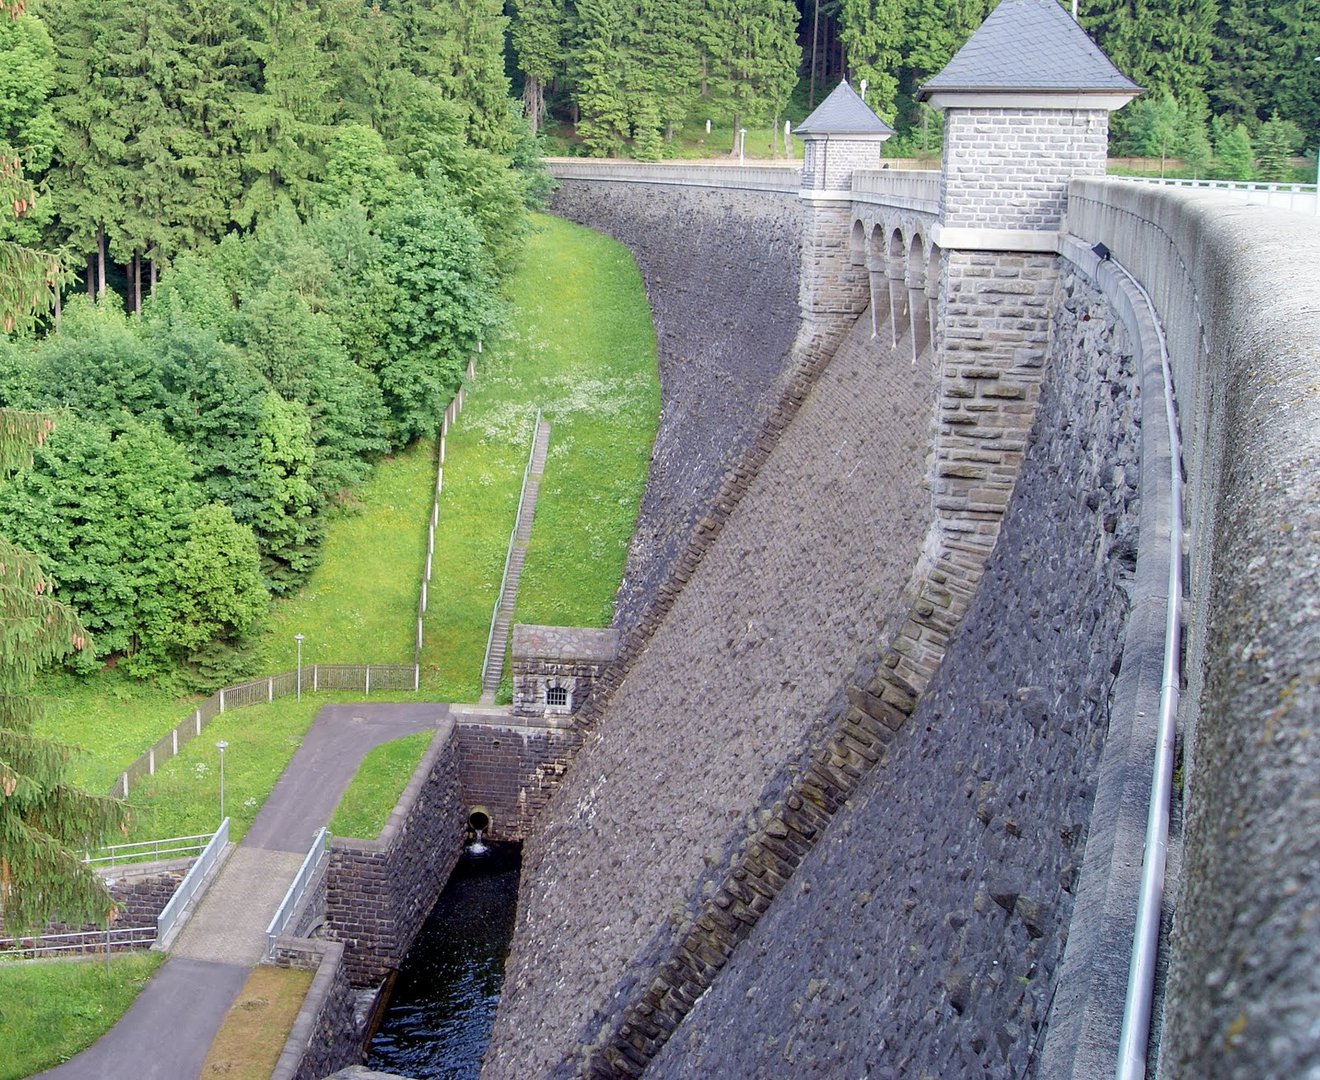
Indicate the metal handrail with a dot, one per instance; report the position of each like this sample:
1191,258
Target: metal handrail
293,895
77,941
192,882
1134,1035
148,850
508,557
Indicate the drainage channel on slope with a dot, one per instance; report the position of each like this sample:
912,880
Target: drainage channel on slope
442,1007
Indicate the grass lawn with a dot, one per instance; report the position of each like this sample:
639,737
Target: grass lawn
581,347
183,798
52,1009
384,773
249,1042
359,605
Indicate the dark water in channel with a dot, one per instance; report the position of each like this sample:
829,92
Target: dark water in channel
442,1010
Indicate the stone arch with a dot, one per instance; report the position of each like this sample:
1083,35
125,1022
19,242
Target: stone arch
876,277
918,317
933,289
895,268
857,243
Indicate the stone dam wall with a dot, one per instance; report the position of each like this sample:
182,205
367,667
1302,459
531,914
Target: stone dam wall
923,935
980,927
724,708
721,272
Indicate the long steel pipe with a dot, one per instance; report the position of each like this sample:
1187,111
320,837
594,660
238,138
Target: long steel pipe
1134,1036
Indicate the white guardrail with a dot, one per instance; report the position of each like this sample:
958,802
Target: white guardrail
316,855
1299,197
191,882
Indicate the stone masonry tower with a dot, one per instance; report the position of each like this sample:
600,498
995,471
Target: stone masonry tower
840,136
1026,105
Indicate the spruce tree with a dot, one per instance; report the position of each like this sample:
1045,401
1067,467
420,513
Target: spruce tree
872,34
43,820
536,33
753,58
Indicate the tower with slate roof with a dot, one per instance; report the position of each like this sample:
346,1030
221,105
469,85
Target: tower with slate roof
839,137
1026,105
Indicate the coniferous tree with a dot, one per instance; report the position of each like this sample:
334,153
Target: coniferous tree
598,78
872,34
753,58
536,33
43,820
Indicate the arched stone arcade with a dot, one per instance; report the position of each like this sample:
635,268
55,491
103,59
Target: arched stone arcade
902,268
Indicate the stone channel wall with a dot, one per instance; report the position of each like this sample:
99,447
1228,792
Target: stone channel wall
922,934
325,1034
721,273
1244,953
379,892
739,688
509,769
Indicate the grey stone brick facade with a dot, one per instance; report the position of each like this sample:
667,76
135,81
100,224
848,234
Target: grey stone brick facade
1008,168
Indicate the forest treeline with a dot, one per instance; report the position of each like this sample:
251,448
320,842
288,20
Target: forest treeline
631,74
283,224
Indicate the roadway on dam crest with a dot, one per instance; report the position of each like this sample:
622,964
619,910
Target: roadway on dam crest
167,1032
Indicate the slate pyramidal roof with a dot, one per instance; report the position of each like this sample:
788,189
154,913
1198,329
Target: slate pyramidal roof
844,113
1029,46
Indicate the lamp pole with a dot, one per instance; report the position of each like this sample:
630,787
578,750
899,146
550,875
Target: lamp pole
742,146
299,639
222,746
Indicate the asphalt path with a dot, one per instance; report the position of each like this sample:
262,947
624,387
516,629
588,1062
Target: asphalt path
309,790
167,1032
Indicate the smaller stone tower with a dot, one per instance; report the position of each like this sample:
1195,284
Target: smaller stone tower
840,136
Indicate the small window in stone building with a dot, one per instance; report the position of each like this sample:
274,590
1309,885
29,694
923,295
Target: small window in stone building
556,697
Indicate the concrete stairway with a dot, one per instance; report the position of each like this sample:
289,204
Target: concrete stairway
499,640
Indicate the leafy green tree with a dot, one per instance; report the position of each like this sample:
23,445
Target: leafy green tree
303,357
217,596
97,366
103,510
210,400
360,169
445,304
288,527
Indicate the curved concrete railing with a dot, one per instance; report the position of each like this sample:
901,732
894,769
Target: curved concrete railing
1237,289
786,177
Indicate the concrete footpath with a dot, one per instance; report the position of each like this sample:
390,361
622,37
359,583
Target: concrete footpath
168,1031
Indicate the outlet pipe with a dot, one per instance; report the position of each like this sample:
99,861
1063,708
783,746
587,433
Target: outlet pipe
1134,1036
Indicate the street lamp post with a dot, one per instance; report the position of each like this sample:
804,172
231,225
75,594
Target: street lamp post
299,639
222,746
742,146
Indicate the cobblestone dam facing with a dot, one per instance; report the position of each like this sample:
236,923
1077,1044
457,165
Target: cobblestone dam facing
866,795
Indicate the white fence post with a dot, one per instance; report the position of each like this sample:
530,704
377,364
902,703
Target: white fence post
270,689
222,699
368,690
197,720
174,741
151,762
